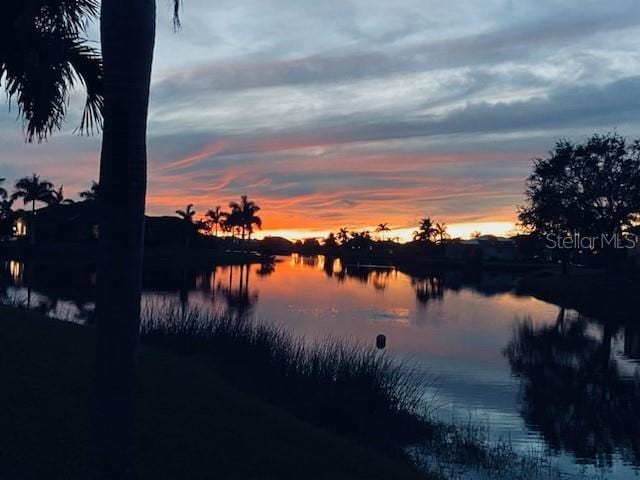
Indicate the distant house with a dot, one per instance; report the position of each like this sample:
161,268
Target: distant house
66,223
78,223
485,247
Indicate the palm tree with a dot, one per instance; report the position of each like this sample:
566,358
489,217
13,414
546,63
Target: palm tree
43,55
245,212
187,217
50,32
440,231
476,234
343,235
127,29
381,228
215,218
57,197
31,190
426,230
92,193
3,192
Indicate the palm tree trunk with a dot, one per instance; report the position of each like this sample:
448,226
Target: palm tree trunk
32,232
127,30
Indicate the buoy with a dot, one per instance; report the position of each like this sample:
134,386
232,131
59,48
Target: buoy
381,341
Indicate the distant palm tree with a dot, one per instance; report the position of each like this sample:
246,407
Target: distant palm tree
381,228
426,230
215,218
92,193
245,213
57,197
31,190
476,234
3,192
343,235
187,217
441,232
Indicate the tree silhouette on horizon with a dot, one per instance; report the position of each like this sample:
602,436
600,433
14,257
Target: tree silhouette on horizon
426,230
381,228
244,214
58,198
187,218
216,216
31,190
343,236
92,193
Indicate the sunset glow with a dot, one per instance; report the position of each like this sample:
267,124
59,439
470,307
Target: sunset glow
402,118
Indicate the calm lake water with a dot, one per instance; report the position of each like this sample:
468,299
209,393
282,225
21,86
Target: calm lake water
546,379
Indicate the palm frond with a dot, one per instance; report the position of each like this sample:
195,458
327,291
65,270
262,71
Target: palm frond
43,56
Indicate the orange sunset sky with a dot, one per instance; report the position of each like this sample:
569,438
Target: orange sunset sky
351,113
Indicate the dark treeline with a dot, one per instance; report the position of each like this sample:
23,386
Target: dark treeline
37,206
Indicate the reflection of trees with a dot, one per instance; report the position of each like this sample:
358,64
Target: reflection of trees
240,300
573,391
429,288
54,281
378,277
266,269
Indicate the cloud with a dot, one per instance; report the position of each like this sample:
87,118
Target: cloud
331,113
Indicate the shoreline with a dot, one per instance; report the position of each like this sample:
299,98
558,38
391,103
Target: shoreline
87,254
592,293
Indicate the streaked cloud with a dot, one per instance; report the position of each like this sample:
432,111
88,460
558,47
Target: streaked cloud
351,112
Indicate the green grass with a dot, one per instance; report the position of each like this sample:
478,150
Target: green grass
192,424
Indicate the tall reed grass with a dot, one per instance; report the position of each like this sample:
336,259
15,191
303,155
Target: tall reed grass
349,388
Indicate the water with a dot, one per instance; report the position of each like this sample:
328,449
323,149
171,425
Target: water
546,379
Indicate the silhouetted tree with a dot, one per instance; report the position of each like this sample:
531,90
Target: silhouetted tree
127,29
476,234
343,236
43,55
215,218
31,190
245,215
361,240
590,189
330,242
381,228
426,230
187,218
92,193
3,191
440,232
7,217
57,197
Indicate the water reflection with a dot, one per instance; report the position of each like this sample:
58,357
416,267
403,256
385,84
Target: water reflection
563,381
577,392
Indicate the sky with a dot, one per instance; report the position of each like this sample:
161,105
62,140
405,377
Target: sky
349,113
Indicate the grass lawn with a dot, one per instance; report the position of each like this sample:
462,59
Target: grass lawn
191,423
